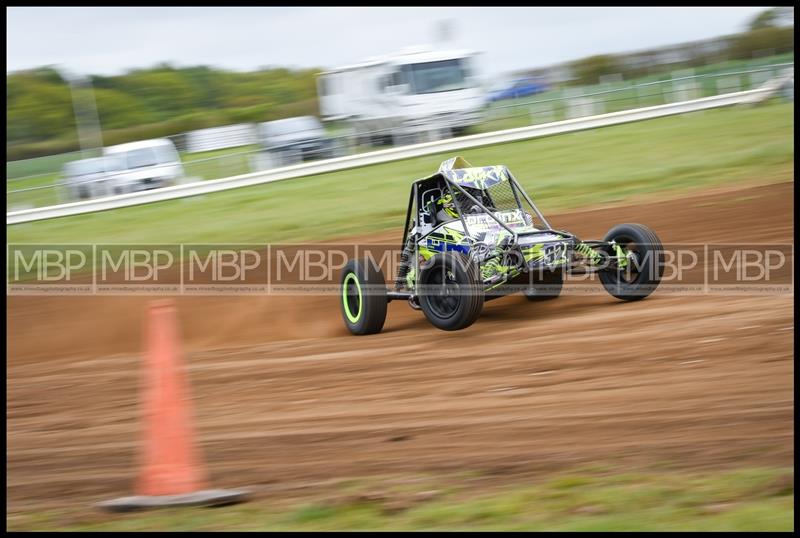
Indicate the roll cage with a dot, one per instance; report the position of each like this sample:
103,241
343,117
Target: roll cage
471,186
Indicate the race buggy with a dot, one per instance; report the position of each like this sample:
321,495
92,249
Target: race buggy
472,234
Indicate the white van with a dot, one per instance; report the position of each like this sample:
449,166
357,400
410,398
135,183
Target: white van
148,164
91,178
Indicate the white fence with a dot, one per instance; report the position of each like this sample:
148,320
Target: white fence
388,155
227,136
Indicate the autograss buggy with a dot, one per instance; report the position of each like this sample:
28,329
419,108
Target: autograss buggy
472,234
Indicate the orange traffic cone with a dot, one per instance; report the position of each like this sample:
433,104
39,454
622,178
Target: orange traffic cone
170,464
171,471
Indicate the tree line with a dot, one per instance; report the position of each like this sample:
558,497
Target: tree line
165,100
758,42
145,103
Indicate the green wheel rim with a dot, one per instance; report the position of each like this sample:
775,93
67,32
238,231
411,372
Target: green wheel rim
351,277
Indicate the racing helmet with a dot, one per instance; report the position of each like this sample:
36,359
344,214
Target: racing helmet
446,207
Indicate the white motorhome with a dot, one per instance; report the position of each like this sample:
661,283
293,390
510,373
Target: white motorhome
410,91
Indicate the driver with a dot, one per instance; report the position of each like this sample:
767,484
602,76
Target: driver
446,208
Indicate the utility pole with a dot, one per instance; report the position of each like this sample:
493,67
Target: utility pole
87,119
444,31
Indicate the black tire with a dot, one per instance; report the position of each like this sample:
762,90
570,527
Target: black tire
364,300
545,288
458,131
641,278
450,291
377,141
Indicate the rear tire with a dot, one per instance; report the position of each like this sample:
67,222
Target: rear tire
644,271
363,299
450,291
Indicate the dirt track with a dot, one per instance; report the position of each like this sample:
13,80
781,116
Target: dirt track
287,401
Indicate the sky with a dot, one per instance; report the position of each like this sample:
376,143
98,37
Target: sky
112,40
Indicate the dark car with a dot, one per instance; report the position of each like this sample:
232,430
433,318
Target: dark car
295,140
519,88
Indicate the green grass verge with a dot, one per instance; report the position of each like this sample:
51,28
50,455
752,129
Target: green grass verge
51,164
611,164
754,499
218,163
34,196
197,166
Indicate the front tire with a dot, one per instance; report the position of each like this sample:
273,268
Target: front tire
363,299
645,266
450,291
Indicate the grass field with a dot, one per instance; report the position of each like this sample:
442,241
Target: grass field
36,197
44,165
596,167
760,499
197,166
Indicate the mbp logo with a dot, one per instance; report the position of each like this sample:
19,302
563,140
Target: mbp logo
225,265
48,264
49,268
137,268
225,268
747,264
750,268
135,265
308,268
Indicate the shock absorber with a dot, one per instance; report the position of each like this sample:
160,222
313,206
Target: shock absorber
493,267
490,268
588,252
405,266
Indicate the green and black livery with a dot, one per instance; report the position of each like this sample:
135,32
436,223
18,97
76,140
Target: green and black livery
473,234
